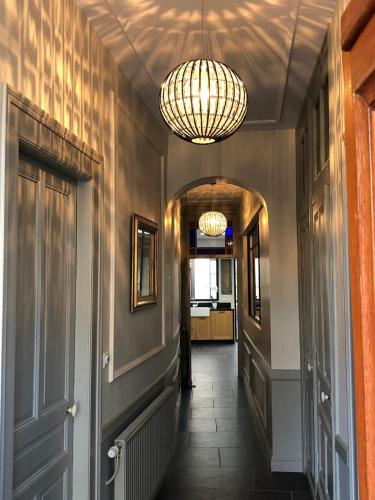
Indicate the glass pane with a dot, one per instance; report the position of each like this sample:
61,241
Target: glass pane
255,236
213,279
305,171
251,283
317,138
192,238
257,283
144,247
204,279
326,120
254,274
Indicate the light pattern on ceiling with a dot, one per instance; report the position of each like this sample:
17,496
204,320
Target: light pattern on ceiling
272,44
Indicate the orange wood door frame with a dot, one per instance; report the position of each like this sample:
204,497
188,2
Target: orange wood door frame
358,44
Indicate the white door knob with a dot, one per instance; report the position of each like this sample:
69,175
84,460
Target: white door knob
324,397
72,410
309,367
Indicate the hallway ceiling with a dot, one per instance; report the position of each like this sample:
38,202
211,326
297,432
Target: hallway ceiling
223,194
272,44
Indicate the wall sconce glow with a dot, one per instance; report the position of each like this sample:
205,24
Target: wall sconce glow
203,101
212,223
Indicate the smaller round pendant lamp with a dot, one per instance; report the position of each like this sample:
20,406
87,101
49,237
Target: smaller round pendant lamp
212,223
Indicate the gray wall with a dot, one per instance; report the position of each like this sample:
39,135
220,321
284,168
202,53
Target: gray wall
264,162
50,53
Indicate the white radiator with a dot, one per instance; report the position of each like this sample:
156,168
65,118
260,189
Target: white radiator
146,448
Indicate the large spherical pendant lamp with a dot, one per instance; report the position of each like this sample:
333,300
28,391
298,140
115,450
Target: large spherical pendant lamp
212,223
203,101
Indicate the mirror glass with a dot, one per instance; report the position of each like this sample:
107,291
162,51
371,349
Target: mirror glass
144,252
144,263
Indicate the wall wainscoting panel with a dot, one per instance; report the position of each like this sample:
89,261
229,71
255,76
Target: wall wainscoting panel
259,390
256,374
286,421
275,398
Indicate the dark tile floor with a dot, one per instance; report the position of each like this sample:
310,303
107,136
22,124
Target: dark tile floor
218,455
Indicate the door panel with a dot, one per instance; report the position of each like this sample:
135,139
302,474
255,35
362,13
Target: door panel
221,325
26,328
308,349
44,333
321,279
201,328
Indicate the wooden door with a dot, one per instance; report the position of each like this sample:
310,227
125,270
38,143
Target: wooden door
45,324
358,42
308,350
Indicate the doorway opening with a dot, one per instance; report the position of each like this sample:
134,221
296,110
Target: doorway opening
234,400
216,271
213,299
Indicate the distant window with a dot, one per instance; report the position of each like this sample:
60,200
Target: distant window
254,272
204,279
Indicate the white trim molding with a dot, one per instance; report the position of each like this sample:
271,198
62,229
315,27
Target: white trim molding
138,361
114,373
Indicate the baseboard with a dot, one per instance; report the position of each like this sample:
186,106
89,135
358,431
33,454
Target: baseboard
279,465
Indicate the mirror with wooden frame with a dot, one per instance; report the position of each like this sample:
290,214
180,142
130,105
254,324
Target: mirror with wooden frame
144,262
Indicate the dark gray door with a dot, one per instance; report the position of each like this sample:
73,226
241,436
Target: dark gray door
46,260
321,281
308,349
185,324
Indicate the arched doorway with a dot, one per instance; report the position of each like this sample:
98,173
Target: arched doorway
229,255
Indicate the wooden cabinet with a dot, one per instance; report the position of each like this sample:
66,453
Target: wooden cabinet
221,325
201,328
217,326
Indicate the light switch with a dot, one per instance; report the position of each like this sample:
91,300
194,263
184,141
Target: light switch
106,358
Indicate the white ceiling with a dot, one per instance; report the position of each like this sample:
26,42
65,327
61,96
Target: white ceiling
272,44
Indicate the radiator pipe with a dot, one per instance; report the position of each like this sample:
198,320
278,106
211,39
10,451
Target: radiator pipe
114,453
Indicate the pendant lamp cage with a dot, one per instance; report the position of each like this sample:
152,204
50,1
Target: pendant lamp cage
212,223
203,100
